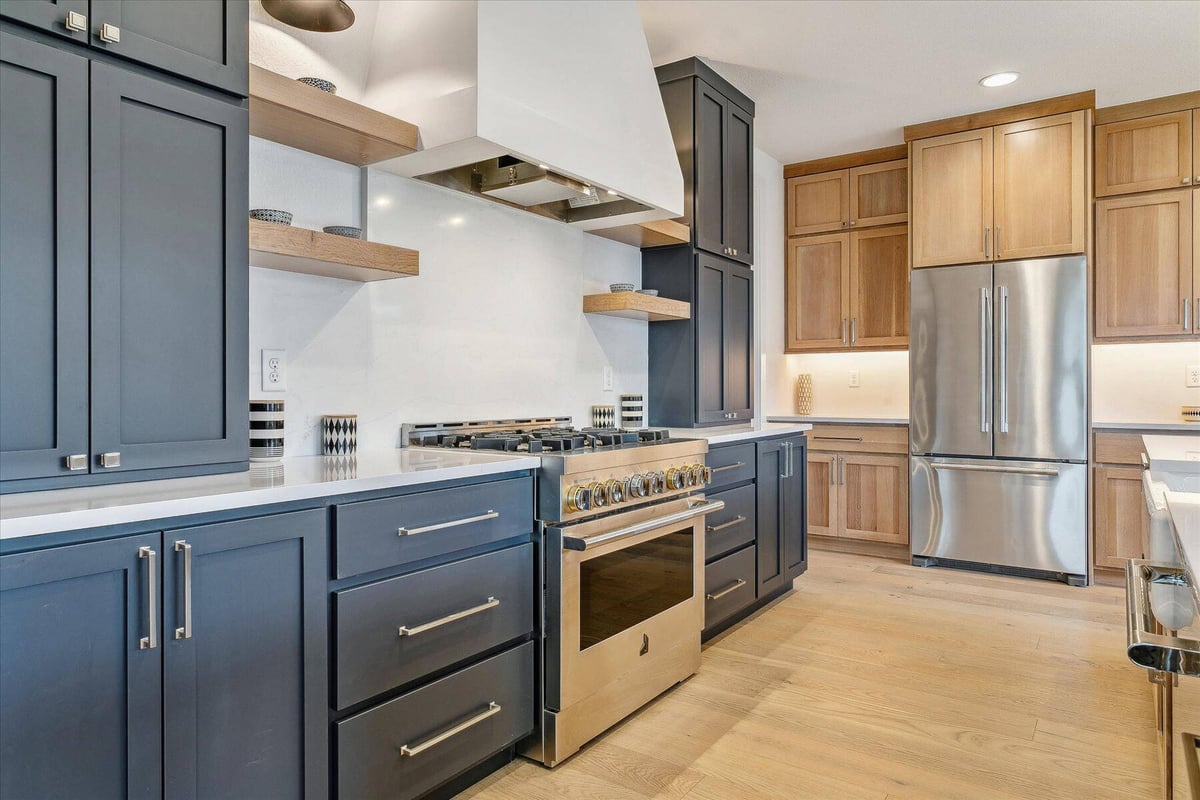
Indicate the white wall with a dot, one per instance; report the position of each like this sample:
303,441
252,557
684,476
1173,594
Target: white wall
491,328
768,279
1142,382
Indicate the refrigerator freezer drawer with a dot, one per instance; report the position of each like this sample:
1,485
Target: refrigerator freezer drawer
1022,514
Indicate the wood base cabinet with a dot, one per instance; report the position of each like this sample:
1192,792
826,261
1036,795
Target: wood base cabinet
1119,518
858,483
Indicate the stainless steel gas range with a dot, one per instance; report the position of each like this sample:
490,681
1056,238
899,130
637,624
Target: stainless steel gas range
621,533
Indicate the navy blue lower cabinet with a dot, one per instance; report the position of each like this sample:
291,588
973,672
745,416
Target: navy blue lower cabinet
793,524
245,626
81,671
782,508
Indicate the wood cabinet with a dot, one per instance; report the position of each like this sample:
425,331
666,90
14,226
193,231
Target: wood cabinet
822,493
1013,191
817,203
847,290
879,194
858,483
1145,265
857,197
1146,154
1120,521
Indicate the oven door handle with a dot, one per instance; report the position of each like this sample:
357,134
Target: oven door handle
700,509
1146,647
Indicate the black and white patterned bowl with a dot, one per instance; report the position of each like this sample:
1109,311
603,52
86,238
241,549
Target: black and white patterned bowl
620,287
271,215
344,230
320,83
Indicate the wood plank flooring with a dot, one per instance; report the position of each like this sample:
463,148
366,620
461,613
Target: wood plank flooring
881,681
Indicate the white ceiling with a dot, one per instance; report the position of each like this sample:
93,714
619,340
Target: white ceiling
836,77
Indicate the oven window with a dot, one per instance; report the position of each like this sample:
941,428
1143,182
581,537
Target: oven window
625,588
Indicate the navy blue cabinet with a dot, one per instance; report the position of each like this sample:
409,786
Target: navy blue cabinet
81,671
781,492
51,16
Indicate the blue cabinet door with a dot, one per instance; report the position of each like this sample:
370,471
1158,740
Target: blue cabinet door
245,700
43,259
793,526
169,298
770,508
48,15
80,683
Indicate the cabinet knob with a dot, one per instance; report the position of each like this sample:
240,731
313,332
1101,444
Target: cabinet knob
75,21
77,461
1187,180
852,223
110,34
110,460
734,250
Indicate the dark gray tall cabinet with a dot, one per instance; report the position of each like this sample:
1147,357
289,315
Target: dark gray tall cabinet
702,369
123,285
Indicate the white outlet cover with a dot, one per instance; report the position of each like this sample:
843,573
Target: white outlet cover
854,379
1193,376
607,384
274,370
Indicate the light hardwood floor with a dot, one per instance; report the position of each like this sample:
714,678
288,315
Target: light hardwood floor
881,681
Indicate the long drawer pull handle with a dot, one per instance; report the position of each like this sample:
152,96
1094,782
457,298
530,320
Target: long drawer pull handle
491,602
185,632
454,523
492,710
738,520
150,640
734,465
840,438
1049,472
733,587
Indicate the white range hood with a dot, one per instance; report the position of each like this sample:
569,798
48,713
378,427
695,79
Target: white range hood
547,105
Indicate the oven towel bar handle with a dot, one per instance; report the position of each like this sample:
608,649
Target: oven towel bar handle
706,507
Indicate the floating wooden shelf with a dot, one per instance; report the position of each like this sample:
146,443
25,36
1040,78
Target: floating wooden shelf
293,113
636,306
291,249
660,233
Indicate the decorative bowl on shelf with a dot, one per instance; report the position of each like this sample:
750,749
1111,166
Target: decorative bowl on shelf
320,83
271,215
344,230
620,287
648,292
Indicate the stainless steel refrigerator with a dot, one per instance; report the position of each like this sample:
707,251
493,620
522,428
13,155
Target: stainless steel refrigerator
998,437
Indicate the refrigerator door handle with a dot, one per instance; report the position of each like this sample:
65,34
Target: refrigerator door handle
985,318
1047,472
1002,299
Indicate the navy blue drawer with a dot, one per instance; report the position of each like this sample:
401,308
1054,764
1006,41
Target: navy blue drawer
729,586
731,464
433,523
733,526
492,704
496,589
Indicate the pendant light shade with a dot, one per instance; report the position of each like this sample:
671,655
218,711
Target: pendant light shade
324,16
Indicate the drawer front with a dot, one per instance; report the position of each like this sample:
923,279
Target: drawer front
372,655
729,529
387,751
730,465
434,523
859,438
1118,448
724,595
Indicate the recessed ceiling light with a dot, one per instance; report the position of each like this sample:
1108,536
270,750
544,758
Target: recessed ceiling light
999,79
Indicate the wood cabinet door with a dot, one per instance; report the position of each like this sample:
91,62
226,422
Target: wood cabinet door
1120,520
879,194
738,238
1196,147
818,292
1040,187
817,203
873,498
1142,155
952,199
1143,264
879,287
822,494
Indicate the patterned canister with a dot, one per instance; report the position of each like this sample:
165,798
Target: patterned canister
804,394
266,430
339,434
633,411
604,416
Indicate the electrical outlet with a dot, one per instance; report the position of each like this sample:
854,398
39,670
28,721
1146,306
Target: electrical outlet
274,370
1193,376
607,383
854,382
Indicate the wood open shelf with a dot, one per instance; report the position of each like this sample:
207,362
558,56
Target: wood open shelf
291,249
633,305
293,113
660,233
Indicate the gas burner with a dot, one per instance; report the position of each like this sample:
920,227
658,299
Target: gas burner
653,435
509,442
561,442
607,437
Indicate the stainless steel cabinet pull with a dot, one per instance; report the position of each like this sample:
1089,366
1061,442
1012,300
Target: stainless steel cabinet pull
700,509
1003,300
75,21
1198,314
734,465
150,640
853,330
985,319
733,587
110,460
454,523
839,438
110,34
77,461
739,519
986,248
997,241
492,710
1187,314
843,330
1049,472
841,471
491,602
1146,647
186,631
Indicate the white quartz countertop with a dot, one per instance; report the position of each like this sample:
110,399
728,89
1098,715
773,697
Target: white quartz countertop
1173,453
844,420
1184,508
301,478
725,434
1185,427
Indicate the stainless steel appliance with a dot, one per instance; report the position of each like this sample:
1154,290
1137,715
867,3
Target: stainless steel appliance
621,529
999,381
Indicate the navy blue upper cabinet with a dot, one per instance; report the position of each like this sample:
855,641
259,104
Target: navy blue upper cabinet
43,259
67,18
81,671
168,275
245,642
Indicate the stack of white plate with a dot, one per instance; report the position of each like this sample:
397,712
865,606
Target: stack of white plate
266,430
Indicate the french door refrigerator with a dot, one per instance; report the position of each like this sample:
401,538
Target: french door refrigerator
998,435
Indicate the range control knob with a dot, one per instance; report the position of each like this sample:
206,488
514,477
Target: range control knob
599,494
578,499
616,491
676,478
658,482
696,475
639,486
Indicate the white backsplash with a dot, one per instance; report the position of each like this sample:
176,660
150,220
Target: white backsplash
1142,382
492,327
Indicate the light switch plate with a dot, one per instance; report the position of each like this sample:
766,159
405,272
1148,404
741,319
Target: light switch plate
274,370
854,381
1193,376
607,381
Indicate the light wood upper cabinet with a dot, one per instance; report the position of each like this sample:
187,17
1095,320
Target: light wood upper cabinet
818,292
1120,520
952,198
1196,147
1146,154
1144,264
1039,184
817,203
879,287
879,194
873,498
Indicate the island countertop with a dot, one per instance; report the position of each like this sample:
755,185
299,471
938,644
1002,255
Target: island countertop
724,434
